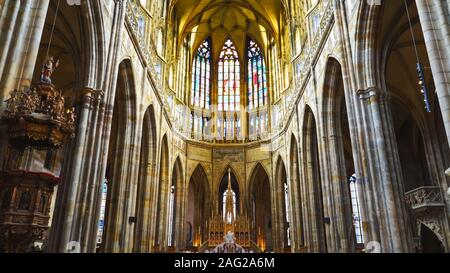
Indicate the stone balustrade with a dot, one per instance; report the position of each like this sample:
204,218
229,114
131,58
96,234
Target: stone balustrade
425,198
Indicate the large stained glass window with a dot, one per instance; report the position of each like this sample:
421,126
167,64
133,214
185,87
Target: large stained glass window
229,78
200,90
257,80
257,91
229,97
201,77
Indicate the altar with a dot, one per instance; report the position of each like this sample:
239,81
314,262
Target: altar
218,229
229,232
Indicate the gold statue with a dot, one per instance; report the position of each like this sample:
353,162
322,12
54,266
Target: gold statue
71,116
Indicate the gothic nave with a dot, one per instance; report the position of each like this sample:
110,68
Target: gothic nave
154,126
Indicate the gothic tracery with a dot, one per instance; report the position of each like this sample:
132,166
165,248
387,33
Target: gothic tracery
224,126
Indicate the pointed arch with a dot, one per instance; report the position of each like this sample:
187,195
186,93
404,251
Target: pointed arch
161,197
94,31
257,79
258,168
201,76
198,207
201,86
119,171
333,92
229,78
229,92
175,216
147,171
431,241
339,170
367,25
235,186
312,169
283,203
260,208
297,199
233,171
257,91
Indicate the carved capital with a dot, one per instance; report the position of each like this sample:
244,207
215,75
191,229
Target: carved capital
85,95
98,94
90,96
372,93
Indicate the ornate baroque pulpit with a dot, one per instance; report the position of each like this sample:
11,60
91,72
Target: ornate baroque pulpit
36,118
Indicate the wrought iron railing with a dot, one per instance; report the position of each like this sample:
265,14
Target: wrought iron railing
425,197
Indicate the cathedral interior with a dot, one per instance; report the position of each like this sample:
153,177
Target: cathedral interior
290,126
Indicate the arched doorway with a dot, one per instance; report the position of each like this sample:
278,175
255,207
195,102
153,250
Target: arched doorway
429,242
198,209
346,233
352,211
260,209
282,197
147,171
117,172
411,149
297,198
223,186
175,225
316,210
161,197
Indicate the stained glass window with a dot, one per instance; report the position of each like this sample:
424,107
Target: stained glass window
201,76
229,78
201,88
257,80
229,97
257,90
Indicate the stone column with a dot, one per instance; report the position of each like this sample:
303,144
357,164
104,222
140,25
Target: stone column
161,197
179,207
181,244
381,174
67,194
275,220
21,27
277,195
335,187
294,200
77,207
374,144
436,31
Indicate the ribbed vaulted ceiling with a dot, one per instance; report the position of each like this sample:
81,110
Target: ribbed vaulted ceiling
220,19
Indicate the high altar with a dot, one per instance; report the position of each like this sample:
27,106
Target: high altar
221,228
